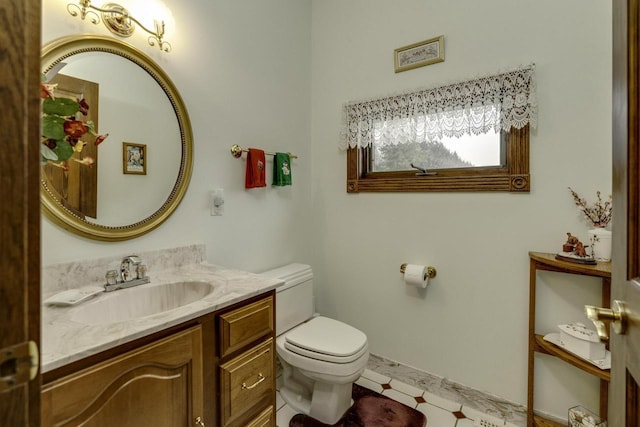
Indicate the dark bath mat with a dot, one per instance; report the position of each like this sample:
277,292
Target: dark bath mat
370,409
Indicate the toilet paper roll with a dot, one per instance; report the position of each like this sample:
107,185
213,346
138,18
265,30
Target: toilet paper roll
416,275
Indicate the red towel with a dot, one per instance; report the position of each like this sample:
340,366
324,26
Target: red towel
255,176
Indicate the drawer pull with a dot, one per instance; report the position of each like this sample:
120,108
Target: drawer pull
199,422
249,387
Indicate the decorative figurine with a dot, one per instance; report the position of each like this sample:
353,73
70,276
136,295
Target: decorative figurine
579,249
573,250
570,244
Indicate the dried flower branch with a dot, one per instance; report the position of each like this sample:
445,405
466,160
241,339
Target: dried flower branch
597,214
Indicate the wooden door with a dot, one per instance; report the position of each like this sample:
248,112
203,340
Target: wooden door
624,397
77,187
19,206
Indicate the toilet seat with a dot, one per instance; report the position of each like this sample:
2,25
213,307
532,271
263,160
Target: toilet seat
328,340
317,369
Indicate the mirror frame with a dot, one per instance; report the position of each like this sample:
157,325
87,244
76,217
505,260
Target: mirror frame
62,48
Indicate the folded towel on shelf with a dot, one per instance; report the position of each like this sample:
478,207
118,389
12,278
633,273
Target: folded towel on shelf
255,175
281,169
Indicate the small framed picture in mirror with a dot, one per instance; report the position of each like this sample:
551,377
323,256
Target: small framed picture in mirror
134,158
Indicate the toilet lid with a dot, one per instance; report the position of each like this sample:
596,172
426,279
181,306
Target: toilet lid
324,336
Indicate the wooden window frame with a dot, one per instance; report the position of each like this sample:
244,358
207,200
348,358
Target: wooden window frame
512,177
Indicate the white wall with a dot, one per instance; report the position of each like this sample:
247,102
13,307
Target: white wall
471,324
243,70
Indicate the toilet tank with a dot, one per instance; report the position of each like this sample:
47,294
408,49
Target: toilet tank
294,299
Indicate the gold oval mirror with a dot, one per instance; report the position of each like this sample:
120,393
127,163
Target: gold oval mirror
137,177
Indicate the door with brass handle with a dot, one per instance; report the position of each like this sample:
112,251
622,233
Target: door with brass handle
18,364
617,315
199,422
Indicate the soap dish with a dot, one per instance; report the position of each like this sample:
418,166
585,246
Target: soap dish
74,296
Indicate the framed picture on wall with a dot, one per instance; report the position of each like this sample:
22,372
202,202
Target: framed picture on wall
134,158
419,54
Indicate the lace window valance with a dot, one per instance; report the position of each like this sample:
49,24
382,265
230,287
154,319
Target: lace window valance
499,102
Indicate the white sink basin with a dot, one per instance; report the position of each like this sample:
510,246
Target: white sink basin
139,301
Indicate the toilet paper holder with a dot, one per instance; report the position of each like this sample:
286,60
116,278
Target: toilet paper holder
431,271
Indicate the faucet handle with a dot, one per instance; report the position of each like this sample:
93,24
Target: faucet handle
112,277
141,271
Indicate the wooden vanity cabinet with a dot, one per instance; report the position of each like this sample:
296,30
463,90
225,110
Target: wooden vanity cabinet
246,342
219,368
159,384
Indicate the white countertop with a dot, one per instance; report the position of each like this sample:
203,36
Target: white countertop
65,341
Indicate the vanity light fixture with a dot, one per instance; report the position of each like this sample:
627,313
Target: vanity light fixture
119,21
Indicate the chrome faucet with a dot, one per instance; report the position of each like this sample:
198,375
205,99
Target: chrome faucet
132,273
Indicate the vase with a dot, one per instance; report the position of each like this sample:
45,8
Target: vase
600,241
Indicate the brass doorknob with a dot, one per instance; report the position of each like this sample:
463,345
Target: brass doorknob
617,315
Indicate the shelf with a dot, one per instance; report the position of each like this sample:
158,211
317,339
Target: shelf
548,261
543,422
543,346
541,261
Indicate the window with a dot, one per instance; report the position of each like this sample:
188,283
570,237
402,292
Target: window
471,136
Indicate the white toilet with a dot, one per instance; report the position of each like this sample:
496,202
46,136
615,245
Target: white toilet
320,357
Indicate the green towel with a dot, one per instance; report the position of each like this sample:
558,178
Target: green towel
281,169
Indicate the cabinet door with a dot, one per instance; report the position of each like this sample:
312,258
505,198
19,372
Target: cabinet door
158,385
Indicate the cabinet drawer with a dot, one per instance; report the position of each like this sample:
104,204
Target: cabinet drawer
265,419
246,381
245,325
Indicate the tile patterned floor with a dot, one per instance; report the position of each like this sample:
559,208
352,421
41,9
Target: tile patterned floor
450,390
440,412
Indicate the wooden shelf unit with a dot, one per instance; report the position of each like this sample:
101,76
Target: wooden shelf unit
548,262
